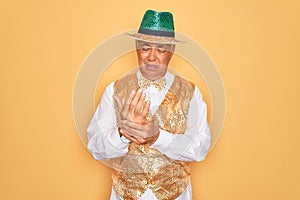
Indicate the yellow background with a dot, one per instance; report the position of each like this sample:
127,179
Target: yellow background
255,45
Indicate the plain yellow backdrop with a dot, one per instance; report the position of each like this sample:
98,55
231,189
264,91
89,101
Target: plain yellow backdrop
255,45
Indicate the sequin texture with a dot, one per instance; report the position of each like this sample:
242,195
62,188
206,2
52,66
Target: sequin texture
144,167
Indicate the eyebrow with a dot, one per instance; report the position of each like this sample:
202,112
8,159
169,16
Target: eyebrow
156,46
145,44
151,45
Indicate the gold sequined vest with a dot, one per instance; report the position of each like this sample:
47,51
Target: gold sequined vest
144,167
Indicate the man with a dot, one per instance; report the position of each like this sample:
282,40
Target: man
149,124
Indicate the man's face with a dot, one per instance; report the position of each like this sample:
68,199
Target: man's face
154,58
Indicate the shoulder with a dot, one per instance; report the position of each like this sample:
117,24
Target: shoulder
109,90
197,93
125,80
183,82
183,87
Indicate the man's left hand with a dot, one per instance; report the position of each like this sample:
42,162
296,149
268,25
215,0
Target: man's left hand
142,133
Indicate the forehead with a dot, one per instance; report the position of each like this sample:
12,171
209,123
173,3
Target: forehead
153,45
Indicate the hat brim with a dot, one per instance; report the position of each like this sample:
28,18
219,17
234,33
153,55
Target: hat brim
154,39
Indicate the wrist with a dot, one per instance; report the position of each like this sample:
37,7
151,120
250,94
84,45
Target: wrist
123,138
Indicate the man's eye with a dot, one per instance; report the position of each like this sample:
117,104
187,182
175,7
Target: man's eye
161,50
145,48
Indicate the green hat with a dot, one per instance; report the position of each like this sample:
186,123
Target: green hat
157,27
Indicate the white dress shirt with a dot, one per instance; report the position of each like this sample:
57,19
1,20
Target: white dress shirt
105,142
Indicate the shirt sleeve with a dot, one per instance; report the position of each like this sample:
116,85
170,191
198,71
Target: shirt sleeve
194,144
104,141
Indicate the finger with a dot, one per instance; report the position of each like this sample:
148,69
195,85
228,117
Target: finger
122,126
126,128
127,104
141,141
129,137
135,99
145,141
146,109
139,107
135,139
129,125
134,129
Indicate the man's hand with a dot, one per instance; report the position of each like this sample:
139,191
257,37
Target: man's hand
135,108
134,125
139,133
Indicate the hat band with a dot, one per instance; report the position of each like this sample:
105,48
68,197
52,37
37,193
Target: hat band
156,32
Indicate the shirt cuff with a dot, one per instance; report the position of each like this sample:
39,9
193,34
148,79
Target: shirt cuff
163,140
115,139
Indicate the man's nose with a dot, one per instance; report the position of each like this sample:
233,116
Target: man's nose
152,54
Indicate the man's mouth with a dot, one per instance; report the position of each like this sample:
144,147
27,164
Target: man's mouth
151,66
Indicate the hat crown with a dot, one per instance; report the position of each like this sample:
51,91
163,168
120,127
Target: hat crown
156,27
158,21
